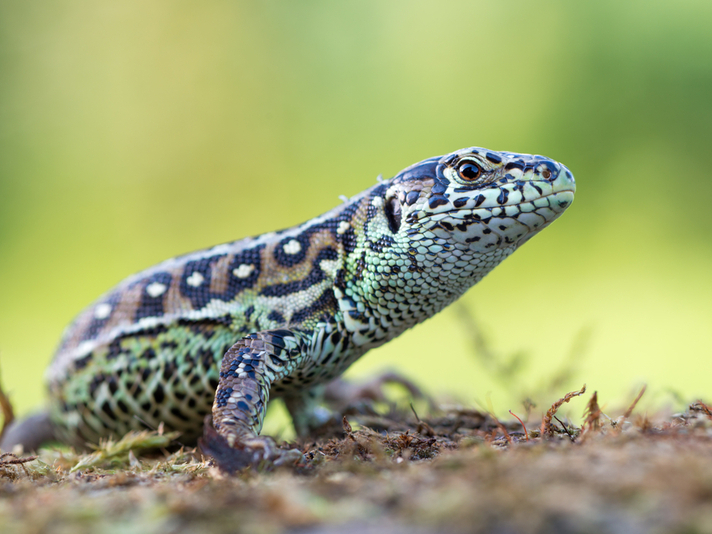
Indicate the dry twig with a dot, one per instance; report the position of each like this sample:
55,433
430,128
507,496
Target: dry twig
630,409
526,434
571,437
502,428
546,429
10,459
592,413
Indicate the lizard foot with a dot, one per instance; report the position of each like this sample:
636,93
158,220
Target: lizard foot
256,452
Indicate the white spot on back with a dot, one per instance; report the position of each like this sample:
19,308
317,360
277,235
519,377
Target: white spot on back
195,279
156,289
102,311
343,227
292,247
377,202
244,270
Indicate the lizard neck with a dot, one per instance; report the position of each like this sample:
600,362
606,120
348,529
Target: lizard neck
391,281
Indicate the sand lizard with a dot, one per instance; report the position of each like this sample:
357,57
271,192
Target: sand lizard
225,329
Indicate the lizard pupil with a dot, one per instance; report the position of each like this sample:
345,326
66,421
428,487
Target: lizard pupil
469,171
393,214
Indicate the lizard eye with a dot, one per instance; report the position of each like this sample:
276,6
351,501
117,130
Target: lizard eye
469,171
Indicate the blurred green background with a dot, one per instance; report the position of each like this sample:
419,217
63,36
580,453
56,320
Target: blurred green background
134,131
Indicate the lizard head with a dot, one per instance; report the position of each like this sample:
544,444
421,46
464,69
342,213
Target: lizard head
454,218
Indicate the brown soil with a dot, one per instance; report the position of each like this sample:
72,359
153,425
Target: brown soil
458,470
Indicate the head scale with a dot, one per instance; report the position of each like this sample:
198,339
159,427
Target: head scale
442,224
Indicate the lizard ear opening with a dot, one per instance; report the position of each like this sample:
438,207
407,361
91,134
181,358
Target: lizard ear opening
393,214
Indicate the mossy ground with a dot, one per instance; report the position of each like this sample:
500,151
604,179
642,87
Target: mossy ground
456,470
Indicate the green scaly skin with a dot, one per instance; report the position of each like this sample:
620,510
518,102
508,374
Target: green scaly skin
227,328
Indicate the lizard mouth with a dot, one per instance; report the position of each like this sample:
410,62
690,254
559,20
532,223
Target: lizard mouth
559,205
562,200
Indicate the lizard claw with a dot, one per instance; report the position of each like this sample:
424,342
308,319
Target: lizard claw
255,452
264,449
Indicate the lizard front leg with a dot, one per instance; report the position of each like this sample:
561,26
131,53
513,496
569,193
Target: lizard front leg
247,372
